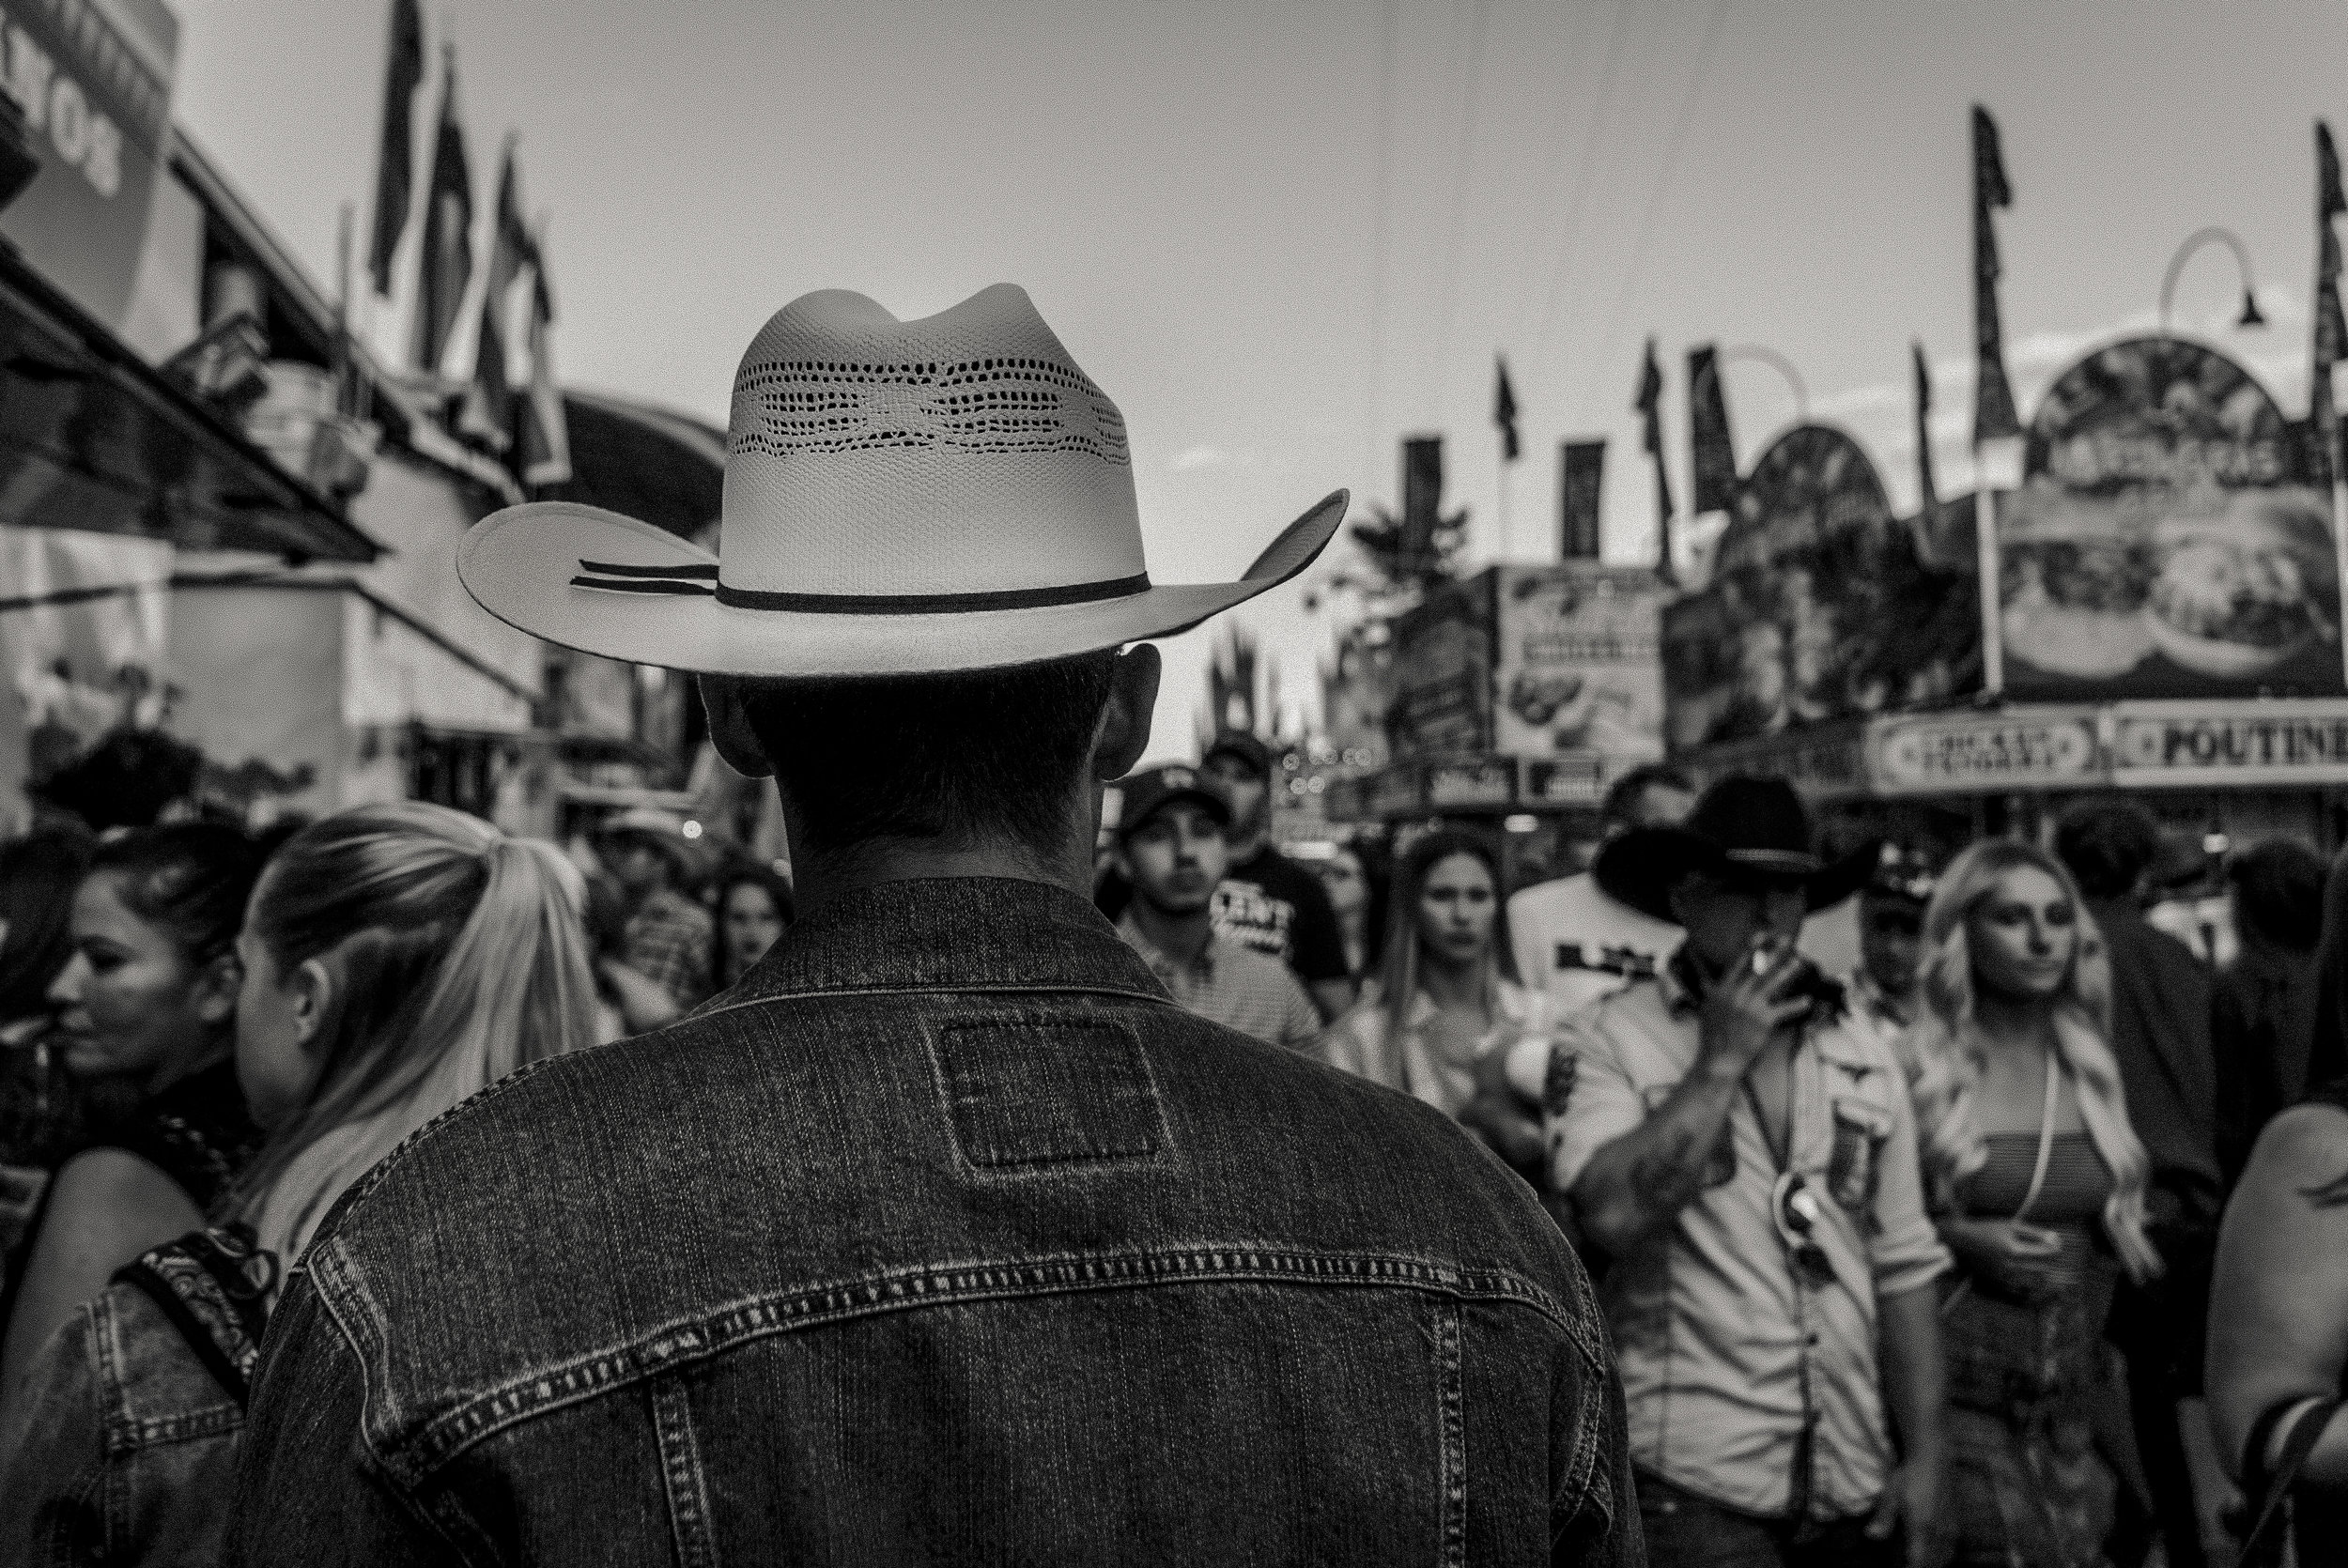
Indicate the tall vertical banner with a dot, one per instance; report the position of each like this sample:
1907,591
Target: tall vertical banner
1996,427
1422,496
1712,454
93,79
1649,408
1927,493
1581,483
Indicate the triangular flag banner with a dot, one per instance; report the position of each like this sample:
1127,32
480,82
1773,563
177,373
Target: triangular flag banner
1926,494
447,267
1649,407
1712,453
1993,401
2330,332
541,439
394,170
488,398
1505,413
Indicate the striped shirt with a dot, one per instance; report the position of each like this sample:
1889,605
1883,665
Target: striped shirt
1727,1350
1235,986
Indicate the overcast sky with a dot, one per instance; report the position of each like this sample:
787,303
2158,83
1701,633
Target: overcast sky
1282,235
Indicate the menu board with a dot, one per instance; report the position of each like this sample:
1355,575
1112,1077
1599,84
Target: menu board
1533,661
2162,546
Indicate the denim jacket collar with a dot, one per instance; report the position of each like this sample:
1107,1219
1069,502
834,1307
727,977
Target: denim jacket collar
952,934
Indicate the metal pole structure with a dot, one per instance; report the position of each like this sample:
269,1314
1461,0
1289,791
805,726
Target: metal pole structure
2193,242
2340,539
1501,446
1761,354
1985,558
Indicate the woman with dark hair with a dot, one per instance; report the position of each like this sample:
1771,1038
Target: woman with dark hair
396,959
41,1108
2262,1020
2278,1360
753,908
148,1010
1446,1020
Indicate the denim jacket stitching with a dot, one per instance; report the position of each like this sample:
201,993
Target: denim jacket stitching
1451,1432
681,1475
411,1453
1581,1482
1165,1151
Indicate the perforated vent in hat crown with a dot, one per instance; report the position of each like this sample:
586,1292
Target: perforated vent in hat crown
964,452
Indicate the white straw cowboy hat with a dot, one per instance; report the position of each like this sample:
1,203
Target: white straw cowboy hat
901,498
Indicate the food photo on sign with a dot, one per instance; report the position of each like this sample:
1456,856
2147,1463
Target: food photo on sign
2162,545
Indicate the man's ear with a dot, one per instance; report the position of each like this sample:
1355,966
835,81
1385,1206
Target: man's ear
730,731
1124,733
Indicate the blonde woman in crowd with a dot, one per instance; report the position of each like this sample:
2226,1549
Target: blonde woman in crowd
2038,1182
396,959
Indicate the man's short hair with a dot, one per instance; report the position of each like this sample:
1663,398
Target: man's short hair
1621,807
989,754
2108,844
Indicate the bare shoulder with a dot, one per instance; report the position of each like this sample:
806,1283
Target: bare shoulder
101,1182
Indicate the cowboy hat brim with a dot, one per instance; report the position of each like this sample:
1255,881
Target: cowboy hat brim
520,564
1640,868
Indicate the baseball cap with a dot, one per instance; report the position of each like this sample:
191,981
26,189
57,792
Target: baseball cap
1245,746
1141,794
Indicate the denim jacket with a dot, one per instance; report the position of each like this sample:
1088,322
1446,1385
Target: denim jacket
129,1447
943,1237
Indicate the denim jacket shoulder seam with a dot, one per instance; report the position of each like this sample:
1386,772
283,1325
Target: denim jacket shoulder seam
412,1453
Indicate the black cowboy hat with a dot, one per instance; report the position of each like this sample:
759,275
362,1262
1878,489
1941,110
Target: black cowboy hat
1743,829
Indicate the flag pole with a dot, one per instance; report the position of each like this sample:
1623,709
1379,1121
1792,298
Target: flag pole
2339,547
1986,565
1502,447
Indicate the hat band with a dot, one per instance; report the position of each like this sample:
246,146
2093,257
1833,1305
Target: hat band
703,581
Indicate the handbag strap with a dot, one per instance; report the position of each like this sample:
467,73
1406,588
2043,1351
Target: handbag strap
2045,1133
2276,1488
213,1286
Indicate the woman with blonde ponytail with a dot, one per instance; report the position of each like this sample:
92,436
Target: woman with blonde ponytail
2039,1186
396,959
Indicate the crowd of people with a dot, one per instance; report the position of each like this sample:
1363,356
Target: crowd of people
388,1187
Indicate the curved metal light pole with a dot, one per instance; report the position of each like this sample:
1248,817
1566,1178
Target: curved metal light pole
1759,354
2193,243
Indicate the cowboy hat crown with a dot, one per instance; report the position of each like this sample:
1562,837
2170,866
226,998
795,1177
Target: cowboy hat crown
901,498
1744,829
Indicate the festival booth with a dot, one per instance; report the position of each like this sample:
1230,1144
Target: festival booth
1516,696
2167,614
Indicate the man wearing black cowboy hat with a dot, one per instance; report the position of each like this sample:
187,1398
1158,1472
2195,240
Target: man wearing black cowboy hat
1745,1151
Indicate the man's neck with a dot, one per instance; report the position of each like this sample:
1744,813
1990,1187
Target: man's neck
1181,937
824,878
1245,848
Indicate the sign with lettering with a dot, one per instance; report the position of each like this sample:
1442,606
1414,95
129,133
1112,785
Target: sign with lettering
2163,544
1470,782
1394,791
92,80
1944,754
1573,780
2263,743
1825,762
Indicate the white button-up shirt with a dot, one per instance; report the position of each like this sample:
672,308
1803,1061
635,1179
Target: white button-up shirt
1727,1350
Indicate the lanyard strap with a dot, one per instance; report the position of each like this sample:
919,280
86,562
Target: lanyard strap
2045,1135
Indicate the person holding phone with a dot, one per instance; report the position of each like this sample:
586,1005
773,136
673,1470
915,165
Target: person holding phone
2038,1182
1742,1146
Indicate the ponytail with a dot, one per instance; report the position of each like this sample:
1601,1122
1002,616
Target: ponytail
457,955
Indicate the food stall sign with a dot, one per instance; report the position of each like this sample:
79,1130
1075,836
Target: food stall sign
2301,741
1574,780
93,81
1394,791
1952,754
1476,781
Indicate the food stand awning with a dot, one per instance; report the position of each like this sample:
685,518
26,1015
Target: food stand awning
93,437
659,467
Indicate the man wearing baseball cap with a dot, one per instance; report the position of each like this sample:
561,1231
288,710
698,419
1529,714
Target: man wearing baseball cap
945,1236
1170,848
1267,901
